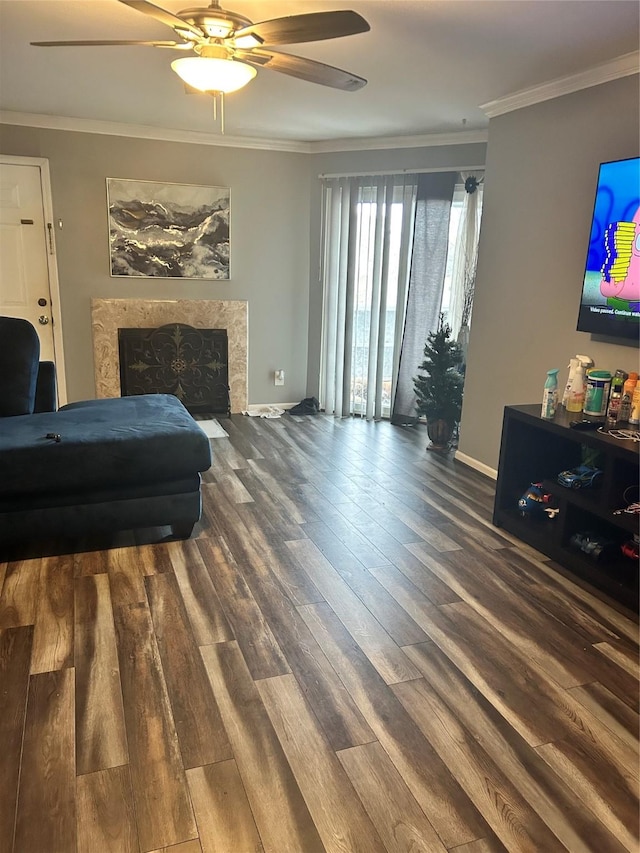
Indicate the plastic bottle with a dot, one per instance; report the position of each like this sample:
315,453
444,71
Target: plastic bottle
573,365
624,412
550,394
615,395
634,417
575,401
587,363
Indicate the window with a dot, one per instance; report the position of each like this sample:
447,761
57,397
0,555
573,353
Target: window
368,229
457,206
388,243
367,212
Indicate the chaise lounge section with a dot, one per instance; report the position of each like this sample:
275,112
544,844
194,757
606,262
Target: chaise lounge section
98,465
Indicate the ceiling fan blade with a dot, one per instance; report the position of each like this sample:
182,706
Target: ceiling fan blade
303,69
314,26
172,44
164,17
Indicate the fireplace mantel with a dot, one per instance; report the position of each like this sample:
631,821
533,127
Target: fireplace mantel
109,315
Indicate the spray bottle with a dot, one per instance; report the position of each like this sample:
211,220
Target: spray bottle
573,364
587,363
550,394
575,401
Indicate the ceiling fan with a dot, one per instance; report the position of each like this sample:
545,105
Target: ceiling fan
228,47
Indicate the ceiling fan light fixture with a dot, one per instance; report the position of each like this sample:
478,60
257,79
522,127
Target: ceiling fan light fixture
211,74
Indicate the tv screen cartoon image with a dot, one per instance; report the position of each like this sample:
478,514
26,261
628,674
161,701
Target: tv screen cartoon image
610,302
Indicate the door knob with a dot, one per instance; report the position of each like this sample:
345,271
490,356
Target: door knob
43,319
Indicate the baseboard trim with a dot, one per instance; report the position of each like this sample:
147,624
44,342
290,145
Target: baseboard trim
476,465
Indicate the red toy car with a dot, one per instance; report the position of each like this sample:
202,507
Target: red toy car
631,549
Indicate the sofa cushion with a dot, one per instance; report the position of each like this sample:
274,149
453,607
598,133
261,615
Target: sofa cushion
19,354
109,443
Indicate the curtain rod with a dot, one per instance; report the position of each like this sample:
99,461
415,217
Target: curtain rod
402,172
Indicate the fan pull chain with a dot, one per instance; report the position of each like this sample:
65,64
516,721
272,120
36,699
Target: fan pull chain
215,109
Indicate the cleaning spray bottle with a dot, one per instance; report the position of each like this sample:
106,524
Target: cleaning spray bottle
573,364
575,401
587,363
550,394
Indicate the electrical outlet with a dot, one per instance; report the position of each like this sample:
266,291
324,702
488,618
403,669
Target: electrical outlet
278,377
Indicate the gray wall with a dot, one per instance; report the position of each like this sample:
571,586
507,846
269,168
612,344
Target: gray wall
542,166
275,231
269,232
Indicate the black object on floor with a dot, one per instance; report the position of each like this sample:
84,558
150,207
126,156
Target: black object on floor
308,406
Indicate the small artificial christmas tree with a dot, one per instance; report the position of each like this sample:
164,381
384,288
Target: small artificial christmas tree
439,390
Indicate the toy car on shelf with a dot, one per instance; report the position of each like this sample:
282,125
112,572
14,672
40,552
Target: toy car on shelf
536,502
582,477
631,549
595,546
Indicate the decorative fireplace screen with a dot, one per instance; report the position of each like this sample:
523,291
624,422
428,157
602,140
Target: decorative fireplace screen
177,359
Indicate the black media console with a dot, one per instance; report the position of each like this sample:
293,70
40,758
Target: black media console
535,450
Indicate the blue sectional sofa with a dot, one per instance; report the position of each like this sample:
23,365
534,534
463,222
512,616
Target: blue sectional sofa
96,465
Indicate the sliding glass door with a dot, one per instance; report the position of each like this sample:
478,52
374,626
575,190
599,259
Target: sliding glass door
368,226
396,253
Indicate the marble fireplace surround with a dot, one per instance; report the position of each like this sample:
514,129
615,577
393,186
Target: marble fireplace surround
109,315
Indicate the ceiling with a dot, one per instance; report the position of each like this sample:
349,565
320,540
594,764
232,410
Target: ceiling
429,63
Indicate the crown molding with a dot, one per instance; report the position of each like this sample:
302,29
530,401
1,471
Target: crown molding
621,66
142,131
139,131
425,140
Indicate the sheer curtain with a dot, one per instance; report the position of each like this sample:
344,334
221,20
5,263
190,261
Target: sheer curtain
368,231
463,276
428,264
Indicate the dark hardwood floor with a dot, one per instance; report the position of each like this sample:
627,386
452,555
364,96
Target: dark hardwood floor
345,657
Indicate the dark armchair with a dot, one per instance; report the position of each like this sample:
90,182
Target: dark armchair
27,385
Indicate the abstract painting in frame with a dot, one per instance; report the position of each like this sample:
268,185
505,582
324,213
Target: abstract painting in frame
162,230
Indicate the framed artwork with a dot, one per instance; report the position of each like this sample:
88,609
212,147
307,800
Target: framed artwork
168,230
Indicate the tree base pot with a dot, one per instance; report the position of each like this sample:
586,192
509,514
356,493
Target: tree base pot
440,433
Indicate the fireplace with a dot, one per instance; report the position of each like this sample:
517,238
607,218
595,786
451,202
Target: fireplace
176,359
109,315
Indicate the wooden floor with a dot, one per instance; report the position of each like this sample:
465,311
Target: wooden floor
346,657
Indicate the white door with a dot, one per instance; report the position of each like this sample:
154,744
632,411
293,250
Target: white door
27,255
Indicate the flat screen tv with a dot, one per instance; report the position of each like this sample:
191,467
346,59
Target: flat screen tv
610,303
